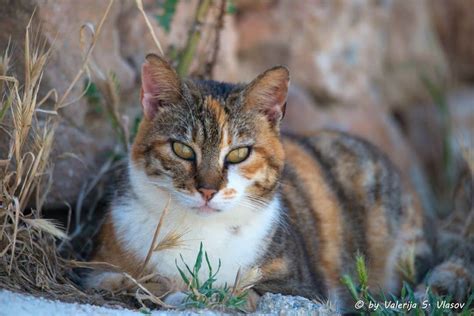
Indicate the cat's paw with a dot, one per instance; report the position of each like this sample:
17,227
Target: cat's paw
451,278
252,301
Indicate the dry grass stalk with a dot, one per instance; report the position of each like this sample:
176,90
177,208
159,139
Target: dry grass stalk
148,24
173,239
29,260
62,102
155,235
110,90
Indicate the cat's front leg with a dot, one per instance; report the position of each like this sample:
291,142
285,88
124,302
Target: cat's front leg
252,301
157,285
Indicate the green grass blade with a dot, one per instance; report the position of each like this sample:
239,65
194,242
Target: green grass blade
183,276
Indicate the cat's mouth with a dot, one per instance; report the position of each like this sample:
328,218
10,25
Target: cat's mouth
206,209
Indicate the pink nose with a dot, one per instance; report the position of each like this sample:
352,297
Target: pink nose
207,194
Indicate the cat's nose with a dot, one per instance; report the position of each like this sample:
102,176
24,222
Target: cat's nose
207,194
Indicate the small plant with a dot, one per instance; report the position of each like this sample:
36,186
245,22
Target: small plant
408,303
205,294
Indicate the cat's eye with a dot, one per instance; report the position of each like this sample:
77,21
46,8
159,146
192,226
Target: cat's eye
238,155
183,151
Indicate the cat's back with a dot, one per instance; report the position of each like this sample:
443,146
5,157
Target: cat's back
343,196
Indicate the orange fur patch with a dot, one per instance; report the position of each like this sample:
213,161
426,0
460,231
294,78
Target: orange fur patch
325,204
228,193
277,266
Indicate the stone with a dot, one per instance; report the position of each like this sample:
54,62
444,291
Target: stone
414,57
428,131
270,304
278,304
454,23
349,52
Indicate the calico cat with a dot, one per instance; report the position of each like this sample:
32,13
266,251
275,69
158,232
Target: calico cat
300,209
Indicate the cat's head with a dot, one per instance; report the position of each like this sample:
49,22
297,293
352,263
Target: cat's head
212,146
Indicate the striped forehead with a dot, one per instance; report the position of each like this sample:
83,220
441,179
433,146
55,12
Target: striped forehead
221,125
211,121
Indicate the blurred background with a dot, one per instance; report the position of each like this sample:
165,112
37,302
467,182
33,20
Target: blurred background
398,73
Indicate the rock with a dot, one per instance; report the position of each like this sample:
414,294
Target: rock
454,22
350,52
336,60
431,131
413,55
258,47
277,304
270,304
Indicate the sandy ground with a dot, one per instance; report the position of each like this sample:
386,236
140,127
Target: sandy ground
15,304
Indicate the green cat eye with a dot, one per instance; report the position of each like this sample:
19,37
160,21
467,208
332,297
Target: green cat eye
238,155
183,151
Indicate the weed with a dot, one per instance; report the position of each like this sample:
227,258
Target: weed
408,302
205,294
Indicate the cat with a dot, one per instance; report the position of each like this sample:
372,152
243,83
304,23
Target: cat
299,208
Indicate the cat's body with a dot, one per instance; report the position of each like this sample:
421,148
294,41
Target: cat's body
211,155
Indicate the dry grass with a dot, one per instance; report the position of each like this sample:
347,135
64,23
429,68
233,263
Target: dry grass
28,257
29,260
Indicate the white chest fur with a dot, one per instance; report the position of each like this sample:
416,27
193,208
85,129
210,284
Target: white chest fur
236,237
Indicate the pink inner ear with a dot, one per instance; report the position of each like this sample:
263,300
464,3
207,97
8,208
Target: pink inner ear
268,93
147,80
275,99
276,112
150,91
150,105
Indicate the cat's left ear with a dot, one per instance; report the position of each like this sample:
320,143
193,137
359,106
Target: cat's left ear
268,92
160,85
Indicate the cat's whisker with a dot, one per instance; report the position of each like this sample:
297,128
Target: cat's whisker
257,201
161,185
251,204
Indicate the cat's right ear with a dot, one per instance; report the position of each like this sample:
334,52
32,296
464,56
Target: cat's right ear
160,85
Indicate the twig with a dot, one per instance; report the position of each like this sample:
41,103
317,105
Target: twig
60,104
148,24
155,235
209,68
151,297
187,55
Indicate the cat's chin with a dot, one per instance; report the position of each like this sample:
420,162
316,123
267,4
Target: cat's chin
206,210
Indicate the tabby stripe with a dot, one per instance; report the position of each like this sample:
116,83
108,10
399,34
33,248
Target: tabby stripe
353,213
315,273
